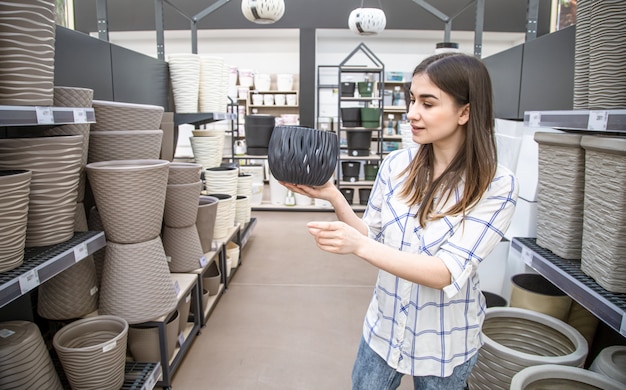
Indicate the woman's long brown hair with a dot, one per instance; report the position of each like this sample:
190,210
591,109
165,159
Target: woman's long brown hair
466,79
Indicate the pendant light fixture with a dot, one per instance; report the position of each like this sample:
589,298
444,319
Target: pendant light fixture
367,21
263,11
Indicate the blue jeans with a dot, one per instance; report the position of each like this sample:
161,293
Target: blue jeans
371,372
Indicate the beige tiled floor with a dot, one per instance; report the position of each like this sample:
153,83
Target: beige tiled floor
291,318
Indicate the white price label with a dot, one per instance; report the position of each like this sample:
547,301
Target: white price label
203,262
622,328
4,333
181,339
188,298
527,256
29,281
93,291
80,115
176,287
534,119
44,115
109,346
80,251
150,382
597,120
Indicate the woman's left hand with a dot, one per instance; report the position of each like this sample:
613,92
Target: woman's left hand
336,237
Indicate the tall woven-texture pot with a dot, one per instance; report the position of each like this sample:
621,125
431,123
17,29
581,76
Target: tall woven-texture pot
185,80
582,54
92,352
221,180
55,163
24,359
136,282
518,338
181,204
130,197
78,98
14,197
225,215
27,35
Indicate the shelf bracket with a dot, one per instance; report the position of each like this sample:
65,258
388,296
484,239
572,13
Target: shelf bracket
103,24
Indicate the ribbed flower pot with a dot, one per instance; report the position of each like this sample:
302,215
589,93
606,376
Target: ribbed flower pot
302,155
128,116
136,282
92,352
221,180
518,338
534,292
556,377
130,196
125,145
244,184
14,198
185,79
207,151
184,173
71,294
184,248
205,221
243,210
27,49
225,216
24,359
181,204
55,163
143,341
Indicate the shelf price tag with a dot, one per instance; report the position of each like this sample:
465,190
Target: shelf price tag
28,281
150,381
597,120
534,119
176,287
203,262
527,256
44,115
181,339
80,115
80,251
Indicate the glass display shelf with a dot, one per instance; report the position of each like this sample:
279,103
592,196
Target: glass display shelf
44,115
42,263
566,274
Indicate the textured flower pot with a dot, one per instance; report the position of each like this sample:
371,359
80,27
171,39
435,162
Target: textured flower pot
125,145
27,49
244,184
302,155
181,204
143,341
92,352
14,198
243,210
185,79
183,246
556,377
24,359
518,338
183,173
534,292
71,294
205,221
130,196
129,116
207,151
55,163
221,180
225,216
136,282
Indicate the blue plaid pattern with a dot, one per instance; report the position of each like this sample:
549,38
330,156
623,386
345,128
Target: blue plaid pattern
420,330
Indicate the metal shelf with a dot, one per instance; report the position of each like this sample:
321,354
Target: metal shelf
578,120
566,274
43,263
201,118
360,69
141,376
38,115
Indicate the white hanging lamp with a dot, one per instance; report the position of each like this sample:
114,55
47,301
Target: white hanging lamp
367,21
263,11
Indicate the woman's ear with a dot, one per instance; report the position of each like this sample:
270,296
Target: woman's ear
464,115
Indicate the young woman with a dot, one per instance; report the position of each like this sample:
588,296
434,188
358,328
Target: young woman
434,213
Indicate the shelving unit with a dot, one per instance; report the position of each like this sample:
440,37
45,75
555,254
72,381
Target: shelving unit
38,116
273,109
374,73
566,274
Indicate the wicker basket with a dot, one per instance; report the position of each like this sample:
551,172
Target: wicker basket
604,236
560,193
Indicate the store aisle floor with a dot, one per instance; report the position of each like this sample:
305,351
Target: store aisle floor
291,318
